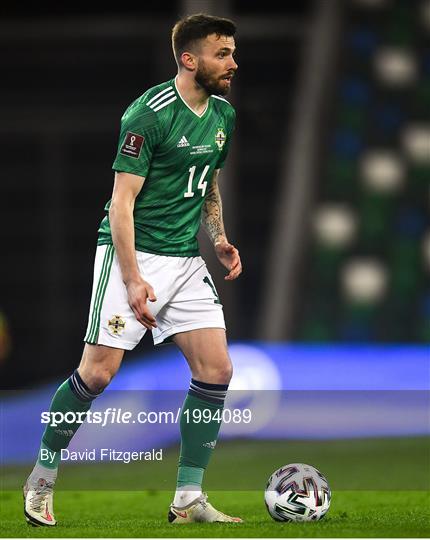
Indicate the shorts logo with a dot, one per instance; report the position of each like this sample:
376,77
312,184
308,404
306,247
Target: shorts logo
220,138
132,145
116,325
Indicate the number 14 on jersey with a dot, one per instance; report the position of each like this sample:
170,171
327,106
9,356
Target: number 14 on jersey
202,185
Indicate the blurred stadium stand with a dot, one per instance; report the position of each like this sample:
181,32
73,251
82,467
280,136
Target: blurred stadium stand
363,275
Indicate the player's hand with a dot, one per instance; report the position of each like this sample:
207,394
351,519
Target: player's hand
139,291
228,255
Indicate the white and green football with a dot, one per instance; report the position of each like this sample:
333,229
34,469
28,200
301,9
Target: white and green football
297,492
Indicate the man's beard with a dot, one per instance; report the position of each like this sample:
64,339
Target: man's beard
210,84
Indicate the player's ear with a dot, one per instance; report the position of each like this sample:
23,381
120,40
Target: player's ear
189,61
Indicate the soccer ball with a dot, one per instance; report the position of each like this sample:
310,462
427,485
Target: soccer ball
297,492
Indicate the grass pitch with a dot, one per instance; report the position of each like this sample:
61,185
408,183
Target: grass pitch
143,514
356,512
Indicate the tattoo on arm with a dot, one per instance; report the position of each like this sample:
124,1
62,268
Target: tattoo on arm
212,213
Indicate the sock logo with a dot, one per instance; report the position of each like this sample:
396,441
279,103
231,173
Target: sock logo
210,444
65,432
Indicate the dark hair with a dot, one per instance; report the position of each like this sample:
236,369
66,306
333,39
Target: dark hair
190,29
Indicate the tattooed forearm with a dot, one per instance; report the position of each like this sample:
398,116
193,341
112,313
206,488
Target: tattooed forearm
212,213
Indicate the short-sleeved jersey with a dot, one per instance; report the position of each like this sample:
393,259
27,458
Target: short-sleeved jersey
177,151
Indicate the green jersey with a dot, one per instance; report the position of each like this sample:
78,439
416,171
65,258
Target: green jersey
177,151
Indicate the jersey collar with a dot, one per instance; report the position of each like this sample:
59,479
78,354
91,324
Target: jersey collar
186,104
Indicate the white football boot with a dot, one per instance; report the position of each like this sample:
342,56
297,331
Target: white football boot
199,511
38,503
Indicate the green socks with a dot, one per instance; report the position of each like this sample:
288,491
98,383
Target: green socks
200,423
72,397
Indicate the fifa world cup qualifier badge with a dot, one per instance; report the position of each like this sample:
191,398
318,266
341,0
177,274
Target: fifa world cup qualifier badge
132,145
220,138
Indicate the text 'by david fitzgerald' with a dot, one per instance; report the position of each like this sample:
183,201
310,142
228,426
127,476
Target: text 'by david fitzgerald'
102,454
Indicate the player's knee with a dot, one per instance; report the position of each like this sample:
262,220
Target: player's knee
226,373
98,379
98,366
220,373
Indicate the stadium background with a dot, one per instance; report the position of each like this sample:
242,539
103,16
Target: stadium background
326,194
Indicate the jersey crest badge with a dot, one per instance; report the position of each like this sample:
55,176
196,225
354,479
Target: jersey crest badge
116,325
220,138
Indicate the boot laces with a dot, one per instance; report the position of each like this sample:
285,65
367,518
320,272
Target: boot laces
41,493
204,500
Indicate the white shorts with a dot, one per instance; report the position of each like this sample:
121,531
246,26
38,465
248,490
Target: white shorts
186,299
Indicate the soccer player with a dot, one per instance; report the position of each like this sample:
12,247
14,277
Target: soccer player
148,274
